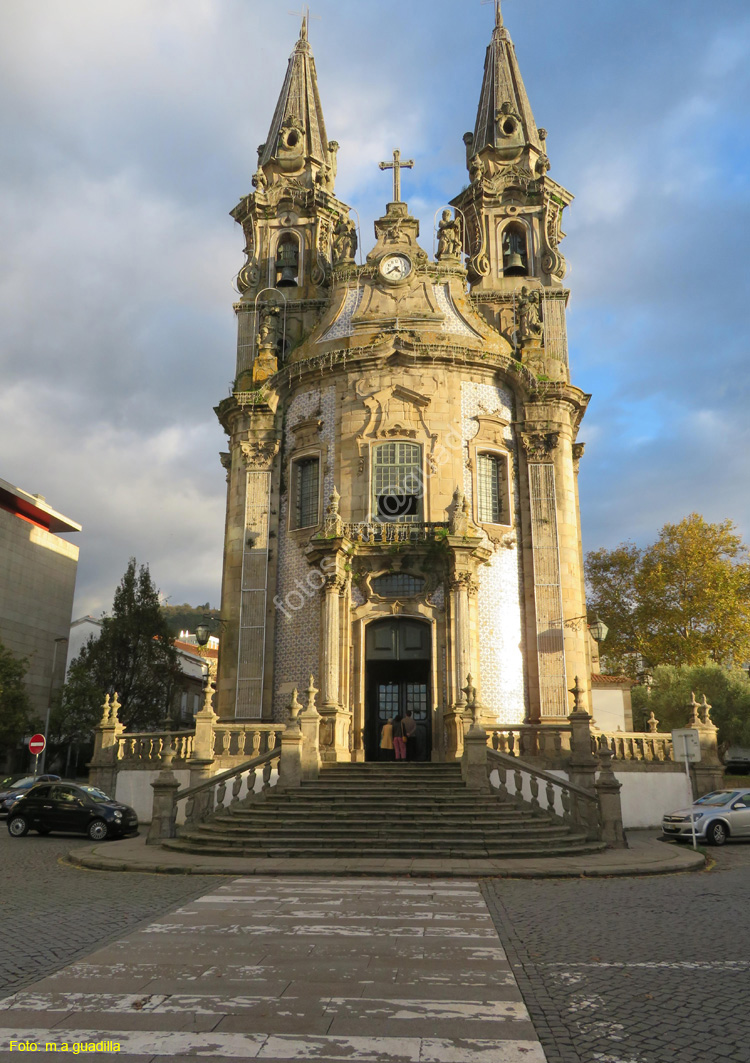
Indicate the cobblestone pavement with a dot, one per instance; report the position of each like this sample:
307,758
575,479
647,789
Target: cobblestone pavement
51,913
634,970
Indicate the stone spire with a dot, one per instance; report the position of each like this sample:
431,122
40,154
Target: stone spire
297,138
505,122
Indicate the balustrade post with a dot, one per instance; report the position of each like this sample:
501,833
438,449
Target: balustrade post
582,763
201,760
708,773
310,723
474,759
103,765
610,806
164,809
290,764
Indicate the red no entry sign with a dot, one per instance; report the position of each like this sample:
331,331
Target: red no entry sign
37,744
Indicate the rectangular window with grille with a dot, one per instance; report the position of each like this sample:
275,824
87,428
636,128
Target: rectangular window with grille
397,485
492,500
306,486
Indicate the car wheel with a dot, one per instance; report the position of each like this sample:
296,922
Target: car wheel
98,830
17,826
717,834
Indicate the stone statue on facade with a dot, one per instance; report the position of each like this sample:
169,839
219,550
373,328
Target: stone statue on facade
449,237
530,327
345,242
476,170
267,333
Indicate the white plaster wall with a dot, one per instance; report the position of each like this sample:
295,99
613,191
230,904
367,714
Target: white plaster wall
134,788
647,795
608,709
297,651
501,670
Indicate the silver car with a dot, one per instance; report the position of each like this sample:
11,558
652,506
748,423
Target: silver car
719,815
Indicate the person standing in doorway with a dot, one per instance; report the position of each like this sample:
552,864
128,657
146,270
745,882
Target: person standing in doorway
409,727
399,745
386,741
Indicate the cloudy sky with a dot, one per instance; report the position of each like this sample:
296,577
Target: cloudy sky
129,130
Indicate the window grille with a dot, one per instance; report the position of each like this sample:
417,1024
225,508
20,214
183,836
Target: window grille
397,482
398,585
491,489
307,492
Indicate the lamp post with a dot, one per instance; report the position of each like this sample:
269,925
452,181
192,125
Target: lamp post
62,638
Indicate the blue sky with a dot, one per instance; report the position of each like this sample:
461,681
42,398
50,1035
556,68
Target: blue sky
128,131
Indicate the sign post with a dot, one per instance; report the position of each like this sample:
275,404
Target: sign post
36,746
686,745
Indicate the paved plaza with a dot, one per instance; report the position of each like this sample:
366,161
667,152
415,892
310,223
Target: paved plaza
622,970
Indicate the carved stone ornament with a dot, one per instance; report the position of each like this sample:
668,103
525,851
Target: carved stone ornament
307,432
450,241
578,451
491,430
538,446
259,454
465,581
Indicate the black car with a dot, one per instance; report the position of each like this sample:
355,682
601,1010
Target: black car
19,785
63,806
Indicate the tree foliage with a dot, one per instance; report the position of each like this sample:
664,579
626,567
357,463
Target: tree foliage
15,707
134,656
187,617
727,691
685,600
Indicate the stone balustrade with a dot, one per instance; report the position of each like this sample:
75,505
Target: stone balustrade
564,801
386,534
549,742
245,739
634,745
147,748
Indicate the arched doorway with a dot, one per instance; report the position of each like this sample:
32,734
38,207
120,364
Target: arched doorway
398,656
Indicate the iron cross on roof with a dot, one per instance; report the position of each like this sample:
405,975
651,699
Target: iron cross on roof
397,165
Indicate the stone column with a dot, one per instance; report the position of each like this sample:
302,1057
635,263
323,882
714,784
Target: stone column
164,809
336,720
201,761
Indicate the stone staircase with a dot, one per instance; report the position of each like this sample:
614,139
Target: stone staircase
382,811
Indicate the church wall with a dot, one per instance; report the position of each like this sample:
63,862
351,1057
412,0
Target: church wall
499,601
297,653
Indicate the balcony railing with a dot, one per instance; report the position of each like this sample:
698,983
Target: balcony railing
386,534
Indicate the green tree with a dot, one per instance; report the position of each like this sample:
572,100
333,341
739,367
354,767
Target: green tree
685,600
134,656
727,691
15,708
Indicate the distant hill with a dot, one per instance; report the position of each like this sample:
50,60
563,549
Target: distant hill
187,617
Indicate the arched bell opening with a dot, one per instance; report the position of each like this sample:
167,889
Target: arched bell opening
515,250
398,672
287,261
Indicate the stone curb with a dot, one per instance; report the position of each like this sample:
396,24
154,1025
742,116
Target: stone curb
612,864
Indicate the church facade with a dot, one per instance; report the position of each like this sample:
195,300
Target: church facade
402,498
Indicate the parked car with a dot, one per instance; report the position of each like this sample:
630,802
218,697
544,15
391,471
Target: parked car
719,815
737,760
65,806
20,786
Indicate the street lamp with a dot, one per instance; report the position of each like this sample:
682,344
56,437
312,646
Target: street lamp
62,638
598,629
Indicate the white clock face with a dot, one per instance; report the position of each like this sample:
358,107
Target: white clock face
395,267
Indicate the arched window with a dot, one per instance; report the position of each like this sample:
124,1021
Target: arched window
515,250
397,486
287,261
493,502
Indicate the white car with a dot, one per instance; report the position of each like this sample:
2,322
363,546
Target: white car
719,815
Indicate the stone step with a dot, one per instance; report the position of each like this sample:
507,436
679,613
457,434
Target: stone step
348,816
571,845
296,831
